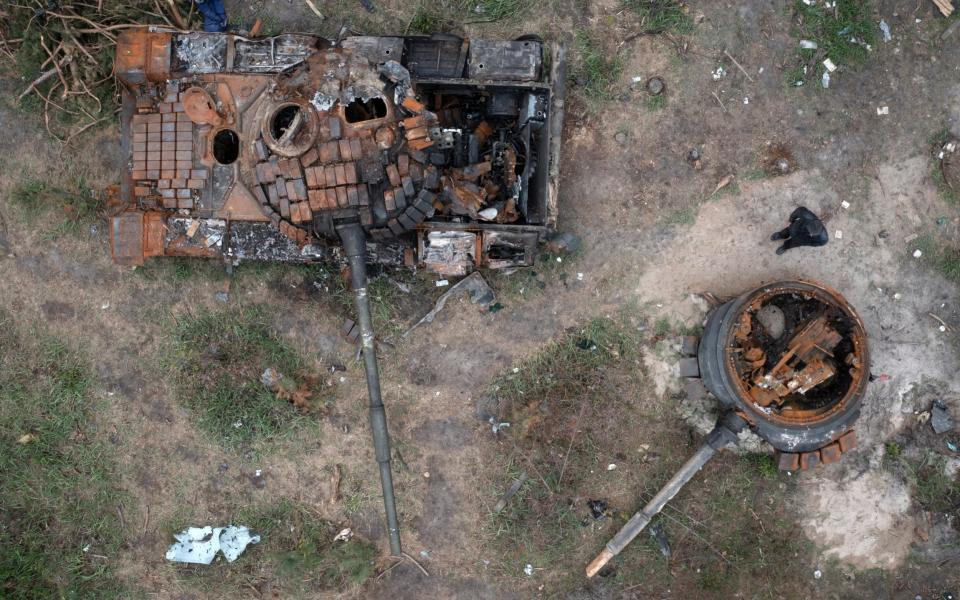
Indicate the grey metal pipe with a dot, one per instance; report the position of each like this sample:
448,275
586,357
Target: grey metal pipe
355,247
723,433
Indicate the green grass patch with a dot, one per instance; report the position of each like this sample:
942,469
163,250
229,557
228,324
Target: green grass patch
217,360
296,554
684,216
428,19
938,254
70,208
842,34
484,11
656,102
926,474
595,70
60,497
661,16
530,282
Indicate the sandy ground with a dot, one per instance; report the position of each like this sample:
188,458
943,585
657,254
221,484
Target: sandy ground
616,197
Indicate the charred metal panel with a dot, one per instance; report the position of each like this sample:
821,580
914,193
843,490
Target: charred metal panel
273,55
440,55
375,49
505,61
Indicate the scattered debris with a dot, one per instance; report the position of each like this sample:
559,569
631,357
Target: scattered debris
844,205
612,467
883,110
655,86
26,438
917,253
561,242
742,70
513,489
718,73
945,6
442,283
808,45
817,574
838,234
778,160
199,545
727,180
345,534
474,284
828,64
940,419
598,509
885,30
528,569
659,534
825,80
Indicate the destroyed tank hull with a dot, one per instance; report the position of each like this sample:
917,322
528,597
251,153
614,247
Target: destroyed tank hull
796,393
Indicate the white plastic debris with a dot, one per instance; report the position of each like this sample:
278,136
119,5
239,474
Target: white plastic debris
897,296
828,64
817,574
845,204
199,545
917,253
443,283
746,100
885,29
528,569
718,73
825,80
579,276
942,328
345,534
838,234
883,110
488,214
237,424
611,467
808,45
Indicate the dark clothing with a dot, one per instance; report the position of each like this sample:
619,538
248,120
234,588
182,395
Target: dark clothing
805,229
214,15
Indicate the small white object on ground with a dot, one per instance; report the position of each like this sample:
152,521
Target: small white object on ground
838,234
528,569
718,73
559,259
917,253
579,276
611,467
199,545
883,110
942,328
845,204
817,574
442,283
808,45
345,534
746,100
825,80
897,296
829,65
885,29
105,306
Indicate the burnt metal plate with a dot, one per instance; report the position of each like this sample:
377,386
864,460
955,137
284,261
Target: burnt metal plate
505,61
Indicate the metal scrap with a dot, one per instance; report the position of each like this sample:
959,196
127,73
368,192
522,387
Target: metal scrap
474,285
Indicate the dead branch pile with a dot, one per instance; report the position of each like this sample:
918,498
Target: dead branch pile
63,52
